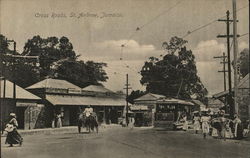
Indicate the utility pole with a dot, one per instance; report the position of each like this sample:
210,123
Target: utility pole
224,68
224,77
14,68
235,44
228,36
127,88
249,48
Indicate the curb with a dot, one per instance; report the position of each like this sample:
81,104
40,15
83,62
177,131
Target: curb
57,130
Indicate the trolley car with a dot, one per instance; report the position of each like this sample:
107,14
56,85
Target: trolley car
168,112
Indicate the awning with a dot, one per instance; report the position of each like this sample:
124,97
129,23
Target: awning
85,100
221,94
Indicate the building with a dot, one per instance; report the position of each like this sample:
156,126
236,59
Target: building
199,106
20,101
146,116
243,98
215,105
67,99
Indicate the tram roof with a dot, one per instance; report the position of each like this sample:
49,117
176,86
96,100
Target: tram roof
174,101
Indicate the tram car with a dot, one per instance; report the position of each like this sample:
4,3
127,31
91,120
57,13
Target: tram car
169,112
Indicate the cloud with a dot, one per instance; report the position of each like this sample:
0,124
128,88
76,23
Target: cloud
113,50
117,71
206,50
210,77
243,45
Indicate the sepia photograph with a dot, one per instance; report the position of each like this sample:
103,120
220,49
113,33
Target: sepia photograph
124,79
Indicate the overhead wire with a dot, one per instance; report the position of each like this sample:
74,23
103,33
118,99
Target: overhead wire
150,21
140,28
209,23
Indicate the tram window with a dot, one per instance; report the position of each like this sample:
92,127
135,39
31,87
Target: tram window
165,108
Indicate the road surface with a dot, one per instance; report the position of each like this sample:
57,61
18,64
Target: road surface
125,143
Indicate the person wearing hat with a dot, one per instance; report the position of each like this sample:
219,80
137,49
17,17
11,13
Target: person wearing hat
238,131
13,137
205,119
88,111
196,120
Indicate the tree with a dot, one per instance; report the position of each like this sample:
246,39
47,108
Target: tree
3,45
78,72
56,59
23,71
175,75
243,62
134,95
49,50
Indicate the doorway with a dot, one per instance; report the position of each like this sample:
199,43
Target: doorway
20,116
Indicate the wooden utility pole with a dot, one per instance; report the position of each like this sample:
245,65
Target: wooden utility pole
127,88
249,47
228,36
235,44
224,68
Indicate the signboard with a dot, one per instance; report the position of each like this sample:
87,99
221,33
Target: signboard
22,104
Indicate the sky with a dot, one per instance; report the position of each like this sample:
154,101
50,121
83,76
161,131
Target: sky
97,29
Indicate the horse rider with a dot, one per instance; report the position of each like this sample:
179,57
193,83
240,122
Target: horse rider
88,111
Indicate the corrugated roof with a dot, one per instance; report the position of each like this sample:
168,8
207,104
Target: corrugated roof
95,88
85,100
174,101
150,96
198,102
53,83
244,83
20,92
214,103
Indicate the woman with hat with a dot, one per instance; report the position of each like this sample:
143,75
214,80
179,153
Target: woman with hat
13,137
205,119
196,120
238,131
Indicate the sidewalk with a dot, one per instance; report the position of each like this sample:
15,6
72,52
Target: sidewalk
68,129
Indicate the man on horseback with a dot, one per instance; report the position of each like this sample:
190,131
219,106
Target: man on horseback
88,111
89,119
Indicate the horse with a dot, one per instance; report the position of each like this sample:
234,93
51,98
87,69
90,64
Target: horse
89,122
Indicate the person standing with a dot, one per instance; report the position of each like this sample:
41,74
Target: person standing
238,131
13,137
196,120
59,120
185,124
205,124
131,121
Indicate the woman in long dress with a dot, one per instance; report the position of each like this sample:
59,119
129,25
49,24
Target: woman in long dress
205,119
228,130
185,124
13,137
59,121
197,125
216,127
238,131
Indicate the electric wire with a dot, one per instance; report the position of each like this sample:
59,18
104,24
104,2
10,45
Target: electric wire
209,23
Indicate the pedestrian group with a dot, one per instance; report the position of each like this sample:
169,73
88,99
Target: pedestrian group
218,126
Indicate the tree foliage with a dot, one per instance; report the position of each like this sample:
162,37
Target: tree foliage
243,62
134,95
55,59
175,75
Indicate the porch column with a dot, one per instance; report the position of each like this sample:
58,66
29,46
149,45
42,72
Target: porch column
104,115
